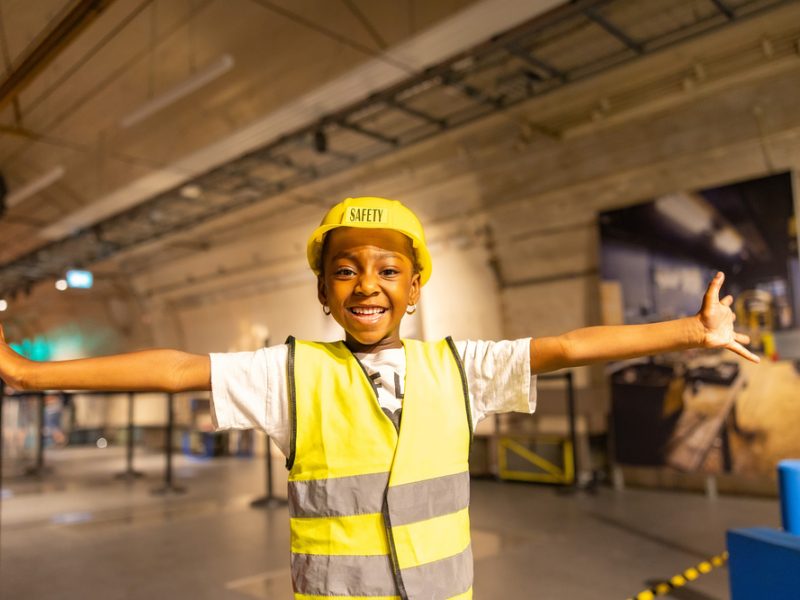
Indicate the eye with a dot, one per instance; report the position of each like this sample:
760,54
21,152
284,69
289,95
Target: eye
344,272
389,272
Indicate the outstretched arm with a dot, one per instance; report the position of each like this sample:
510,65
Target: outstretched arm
712,327
148,370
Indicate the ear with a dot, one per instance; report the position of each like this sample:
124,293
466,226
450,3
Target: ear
414,292
322,291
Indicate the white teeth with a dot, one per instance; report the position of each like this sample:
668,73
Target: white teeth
372,310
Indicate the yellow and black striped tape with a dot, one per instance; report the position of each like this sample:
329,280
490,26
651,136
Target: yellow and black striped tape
681,579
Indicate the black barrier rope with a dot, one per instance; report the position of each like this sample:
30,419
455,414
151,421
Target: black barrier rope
39,468
681,579
270,500
169,487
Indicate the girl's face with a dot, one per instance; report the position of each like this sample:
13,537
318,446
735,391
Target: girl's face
368,280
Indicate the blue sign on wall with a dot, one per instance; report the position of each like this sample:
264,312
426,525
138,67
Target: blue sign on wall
80,279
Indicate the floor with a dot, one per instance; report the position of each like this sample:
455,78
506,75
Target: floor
79,532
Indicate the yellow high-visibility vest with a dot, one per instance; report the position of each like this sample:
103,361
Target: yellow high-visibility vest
375,513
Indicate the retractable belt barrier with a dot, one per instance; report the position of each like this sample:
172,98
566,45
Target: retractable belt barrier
681,579
40,469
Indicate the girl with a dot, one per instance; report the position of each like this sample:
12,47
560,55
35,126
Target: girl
377,429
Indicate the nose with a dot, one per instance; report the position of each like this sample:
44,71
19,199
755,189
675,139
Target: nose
367,284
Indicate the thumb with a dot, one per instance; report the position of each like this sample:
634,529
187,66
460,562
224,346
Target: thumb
2,335
711,297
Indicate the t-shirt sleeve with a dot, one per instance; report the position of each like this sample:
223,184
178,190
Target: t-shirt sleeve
248,390
499,376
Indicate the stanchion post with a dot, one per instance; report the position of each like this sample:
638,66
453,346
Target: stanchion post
2,398
168,487
129,472
573,434
38,469
268,460
40,434
270,500
572,426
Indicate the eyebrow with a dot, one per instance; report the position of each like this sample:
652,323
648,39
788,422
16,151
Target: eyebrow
351,256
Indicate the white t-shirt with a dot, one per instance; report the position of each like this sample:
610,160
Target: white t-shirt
249,389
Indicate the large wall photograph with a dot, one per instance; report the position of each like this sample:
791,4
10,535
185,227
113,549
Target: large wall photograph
707,411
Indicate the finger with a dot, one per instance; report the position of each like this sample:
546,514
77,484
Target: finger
2,335
741,338
727,300
742,351
711,297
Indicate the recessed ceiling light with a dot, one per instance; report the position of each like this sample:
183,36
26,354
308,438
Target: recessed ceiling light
728,241
35,186
201,78
687,211
191,191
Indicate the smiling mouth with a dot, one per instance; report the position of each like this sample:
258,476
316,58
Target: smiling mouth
367,311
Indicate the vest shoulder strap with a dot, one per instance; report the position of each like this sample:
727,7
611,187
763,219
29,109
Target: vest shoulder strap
464,385
292,393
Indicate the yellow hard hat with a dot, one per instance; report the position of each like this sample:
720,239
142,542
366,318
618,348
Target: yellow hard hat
372,213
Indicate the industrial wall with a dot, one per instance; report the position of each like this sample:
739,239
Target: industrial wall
518,255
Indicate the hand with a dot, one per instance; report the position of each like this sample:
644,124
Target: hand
717,320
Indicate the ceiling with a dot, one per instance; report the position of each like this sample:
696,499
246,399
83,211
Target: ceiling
293,110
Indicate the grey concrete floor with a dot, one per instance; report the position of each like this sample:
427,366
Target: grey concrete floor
77,532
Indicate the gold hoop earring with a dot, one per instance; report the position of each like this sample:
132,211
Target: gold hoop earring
326,310
411,312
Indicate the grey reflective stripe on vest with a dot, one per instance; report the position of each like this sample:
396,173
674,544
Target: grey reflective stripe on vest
338,497
363,494
332,575
421,500
440,579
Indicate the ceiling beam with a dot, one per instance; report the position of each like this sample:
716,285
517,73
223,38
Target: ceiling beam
536,62
391,141
423,116
623,37
724,9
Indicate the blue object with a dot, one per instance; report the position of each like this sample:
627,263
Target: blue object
80,279
763,564
789,484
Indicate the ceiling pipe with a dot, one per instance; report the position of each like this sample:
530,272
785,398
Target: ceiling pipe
51,42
